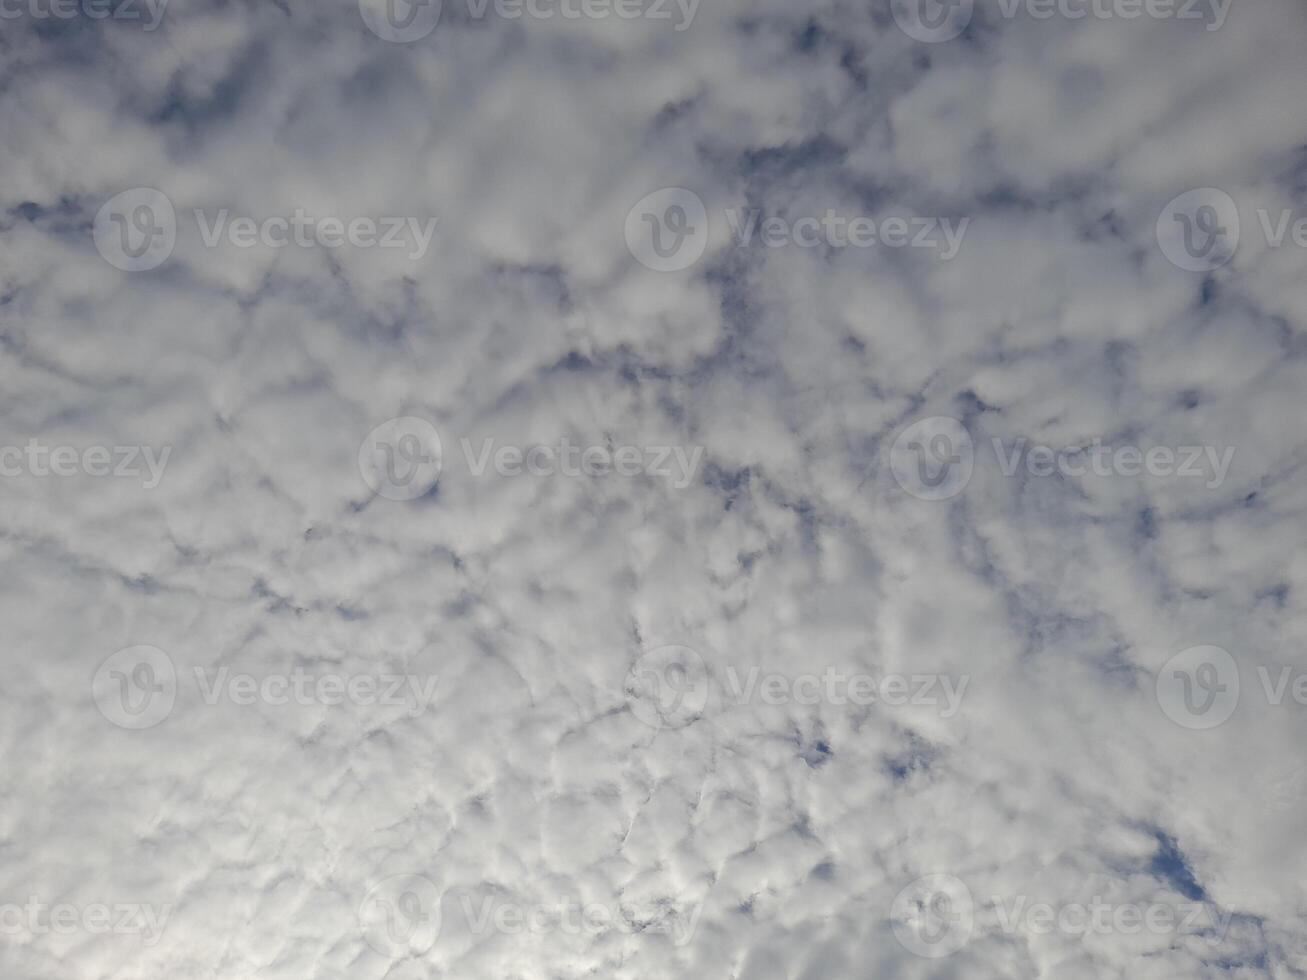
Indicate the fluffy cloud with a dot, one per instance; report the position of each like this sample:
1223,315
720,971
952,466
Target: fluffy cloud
648,674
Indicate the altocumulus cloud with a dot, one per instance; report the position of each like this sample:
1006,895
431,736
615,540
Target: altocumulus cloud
645,490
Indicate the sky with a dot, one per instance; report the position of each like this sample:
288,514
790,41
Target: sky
548,489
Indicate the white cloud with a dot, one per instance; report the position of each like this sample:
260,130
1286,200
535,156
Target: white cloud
770,835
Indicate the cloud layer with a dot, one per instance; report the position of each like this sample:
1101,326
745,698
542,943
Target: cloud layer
652,490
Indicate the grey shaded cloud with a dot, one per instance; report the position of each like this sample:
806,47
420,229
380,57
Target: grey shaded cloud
572,799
